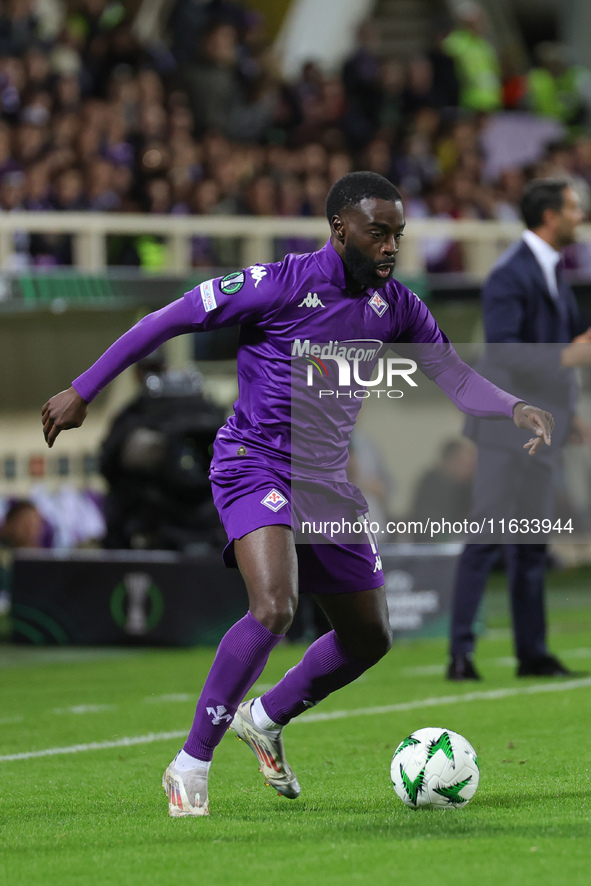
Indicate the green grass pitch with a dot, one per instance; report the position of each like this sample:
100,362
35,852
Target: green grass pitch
99,815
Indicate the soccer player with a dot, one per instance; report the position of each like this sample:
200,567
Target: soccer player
342,293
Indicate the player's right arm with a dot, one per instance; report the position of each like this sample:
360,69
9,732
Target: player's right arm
251,296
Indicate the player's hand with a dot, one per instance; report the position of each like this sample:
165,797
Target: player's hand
63,411
530,418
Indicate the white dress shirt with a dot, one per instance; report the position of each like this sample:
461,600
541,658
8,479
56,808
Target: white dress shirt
547,257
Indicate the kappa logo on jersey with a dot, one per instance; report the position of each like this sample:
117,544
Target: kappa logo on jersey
232,283
311,301
378,304
208,295
274,500
218,714
257,272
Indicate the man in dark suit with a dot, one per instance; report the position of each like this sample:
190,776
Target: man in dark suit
525,303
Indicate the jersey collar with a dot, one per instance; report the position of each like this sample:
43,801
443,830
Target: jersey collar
331,265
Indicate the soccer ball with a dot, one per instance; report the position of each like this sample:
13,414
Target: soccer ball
435,767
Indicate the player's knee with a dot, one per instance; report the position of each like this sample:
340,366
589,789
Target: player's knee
372,643
276,612
381,641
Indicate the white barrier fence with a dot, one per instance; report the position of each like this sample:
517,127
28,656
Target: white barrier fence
484,241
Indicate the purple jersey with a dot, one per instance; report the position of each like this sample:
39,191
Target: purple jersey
299,308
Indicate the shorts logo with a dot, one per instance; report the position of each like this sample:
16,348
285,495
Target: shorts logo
378,304
274,500
232,283
207,295
257,272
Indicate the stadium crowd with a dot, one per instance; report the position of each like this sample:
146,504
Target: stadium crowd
203,123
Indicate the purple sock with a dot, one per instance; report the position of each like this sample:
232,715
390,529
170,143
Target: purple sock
325,667
239,662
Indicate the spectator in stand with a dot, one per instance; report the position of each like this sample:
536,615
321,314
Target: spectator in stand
362,80
419,91
417,168
189,21
507,196
22,528
260,197
12,195
67,195
558,88
213,82
445,84
477,65
19,27
392,80
37,188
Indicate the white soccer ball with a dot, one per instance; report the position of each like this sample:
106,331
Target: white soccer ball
435,767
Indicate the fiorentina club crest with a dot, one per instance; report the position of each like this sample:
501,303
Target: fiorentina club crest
378,304
274,500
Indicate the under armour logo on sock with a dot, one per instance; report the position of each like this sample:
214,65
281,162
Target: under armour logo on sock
218,714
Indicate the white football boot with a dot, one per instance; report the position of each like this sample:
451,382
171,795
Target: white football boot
268,748
186,791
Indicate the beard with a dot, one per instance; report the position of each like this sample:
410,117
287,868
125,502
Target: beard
363,269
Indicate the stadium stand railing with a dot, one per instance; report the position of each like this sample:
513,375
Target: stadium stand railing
483,241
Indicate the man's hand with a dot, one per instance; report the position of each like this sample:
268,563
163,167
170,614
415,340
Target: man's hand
578,353
63,411
530,418
580,432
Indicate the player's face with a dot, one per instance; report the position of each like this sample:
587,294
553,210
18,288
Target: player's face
369,237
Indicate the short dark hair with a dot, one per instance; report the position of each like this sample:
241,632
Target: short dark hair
354,187
539,195
16,508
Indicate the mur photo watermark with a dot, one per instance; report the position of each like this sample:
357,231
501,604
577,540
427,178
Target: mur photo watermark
359,371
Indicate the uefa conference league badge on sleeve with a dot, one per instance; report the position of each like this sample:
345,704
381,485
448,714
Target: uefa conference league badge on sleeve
232,283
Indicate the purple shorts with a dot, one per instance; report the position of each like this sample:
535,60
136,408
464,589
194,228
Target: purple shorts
253,496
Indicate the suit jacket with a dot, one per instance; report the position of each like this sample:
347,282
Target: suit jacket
520,315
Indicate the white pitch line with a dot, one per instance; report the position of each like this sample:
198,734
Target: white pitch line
85,709
491,695
95,746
